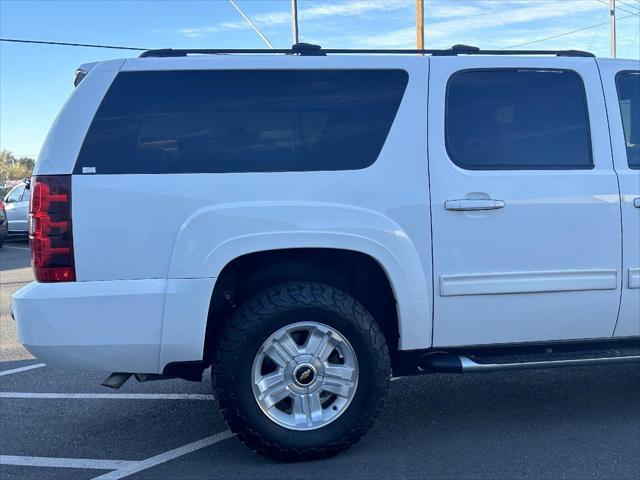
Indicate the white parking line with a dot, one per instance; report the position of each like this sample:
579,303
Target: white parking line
21,369
165,457
65,462
17,248
109,396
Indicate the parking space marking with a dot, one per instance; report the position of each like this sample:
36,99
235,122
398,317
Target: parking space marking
21,369
17,248
109,396
65,462
165,457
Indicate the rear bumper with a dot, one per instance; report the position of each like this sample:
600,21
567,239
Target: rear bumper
108,325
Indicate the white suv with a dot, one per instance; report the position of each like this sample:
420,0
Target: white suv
310,222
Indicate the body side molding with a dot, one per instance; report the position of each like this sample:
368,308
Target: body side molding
634,278
528,282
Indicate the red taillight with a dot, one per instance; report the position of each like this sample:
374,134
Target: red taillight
50,234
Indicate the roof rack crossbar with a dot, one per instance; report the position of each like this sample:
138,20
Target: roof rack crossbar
305,49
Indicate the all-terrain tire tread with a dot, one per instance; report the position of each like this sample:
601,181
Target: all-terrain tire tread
247,319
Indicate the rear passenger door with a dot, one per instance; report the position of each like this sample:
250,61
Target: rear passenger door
525,203
621,81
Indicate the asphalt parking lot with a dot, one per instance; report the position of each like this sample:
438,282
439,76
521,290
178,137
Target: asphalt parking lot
566,423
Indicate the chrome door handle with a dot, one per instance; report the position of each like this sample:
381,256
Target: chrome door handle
636,202
471,205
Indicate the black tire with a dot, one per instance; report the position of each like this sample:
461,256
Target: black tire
252,324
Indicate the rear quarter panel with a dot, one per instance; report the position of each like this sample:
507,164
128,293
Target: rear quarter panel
188,226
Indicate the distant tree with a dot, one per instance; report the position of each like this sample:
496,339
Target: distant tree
14,168
27,162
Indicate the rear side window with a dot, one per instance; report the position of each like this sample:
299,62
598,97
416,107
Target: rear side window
15,195
628,84
218,121
515,119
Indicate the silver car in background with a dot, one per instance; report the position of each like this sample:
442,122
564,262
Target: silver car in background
16,204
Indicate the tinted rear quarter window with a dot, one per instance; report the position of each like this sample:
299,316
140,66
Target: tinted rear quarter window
217,121
517,119
628,85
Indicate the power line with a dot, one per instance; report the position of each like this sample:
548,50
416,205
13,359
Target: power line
593,37
251,24
634,12
628,5
633,42
66,44
118,47
571,32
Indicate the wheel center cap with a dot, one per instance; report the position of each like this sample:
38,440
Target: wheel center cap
304,375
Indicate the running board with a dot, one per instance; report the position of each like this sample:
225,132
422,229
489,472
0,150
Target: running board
447,363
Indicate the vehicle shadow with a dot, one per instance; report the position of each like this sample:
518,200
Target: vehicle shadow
14,255
555,423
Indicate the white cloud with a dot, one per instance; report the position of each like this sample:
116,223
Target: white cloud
512,15
486,23
473,22
448,10
353,7
400,38
196,32
317,11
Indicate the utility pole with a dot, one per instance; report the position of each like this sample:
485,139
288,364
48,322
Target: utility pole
612,16
420,23
294,21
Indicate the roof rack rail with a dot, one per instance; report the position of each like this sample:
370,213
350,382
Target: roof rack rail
307,49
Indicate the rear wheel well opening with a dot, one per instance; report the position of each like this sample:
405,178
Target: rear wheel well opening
355,273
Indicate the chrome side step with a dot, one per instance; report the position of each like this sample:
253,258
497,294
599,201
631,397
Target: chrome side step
447,363
469,365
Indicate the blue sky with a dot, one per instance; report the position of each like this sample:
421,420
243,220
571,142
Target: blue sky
35,80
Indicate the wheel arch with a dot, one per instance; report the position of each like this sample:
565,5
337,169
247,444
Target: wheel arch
213,240
354,272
